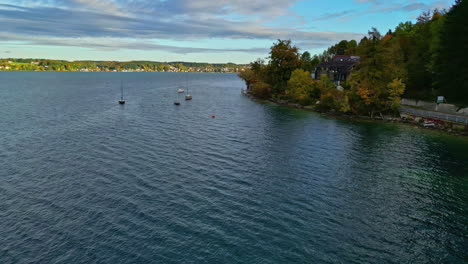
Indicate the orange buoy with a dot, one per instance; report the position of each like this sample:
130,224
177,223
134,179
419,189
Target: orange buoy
213,116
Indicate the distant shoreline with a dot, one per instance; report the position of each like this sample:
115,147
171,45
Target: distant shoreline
119,71
10,64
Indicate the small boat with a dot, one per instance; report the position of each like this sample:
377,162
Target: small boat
121,101
177,101
180,90
188,96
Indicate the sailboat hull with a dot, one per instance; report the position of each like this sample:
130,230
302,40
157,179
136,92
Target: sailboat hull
121,101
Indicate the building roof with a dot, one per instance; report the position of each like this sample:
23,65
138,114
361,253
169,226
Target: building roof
344,62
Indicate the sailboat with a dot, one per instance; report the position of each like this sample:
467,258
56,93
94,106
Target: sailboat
121,101
177,102
188,96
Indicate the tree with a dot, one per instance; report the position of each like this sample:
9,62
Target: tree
249,77
381,63
351,47
424,17
284,59
257,66
300,87
340,48
334,100
374,34
451,71
307,64
404,29
395,90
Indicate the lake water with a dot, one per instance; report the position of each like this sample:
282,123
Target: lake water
86,180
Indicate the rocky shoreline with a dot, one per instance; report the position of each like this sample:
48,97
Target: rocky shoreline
419,122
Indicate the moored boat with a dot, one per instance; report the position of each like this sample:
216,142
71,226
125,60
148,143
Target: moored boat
177,101
121,101
188,96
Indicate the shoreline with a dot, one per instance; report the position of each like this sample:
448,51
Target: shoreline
414,122
125,71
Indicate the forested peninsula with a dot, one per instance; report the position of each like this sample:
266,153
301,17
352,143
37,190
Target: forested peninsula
11,64
416,60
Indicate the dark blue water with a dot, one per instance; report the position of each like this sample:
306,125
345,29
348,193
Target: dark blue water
85,180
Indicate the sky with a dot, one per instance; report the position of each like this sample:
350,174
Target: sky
215,31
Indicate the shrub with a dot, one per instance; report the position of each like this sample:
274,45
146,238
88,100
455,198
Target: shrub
261,89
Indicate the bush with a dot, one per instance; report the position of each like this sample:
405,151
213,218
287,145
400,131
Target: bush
261,89
334,100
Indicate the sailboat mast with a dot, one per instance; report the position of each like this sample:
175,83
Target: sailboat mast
121,90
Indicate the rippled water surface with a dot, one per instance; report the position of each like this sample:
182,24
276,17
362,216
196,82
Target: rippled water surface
85,180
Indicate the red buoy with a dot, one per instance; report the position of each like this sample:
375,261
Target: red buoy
213,116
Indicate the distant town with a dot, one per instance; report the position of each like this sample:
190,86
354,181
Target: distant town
11,64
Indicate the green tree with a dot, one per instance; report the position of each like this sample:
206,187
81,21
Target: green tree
257,65
300,87
249,77
284,59
451,68
339,49
351,48
307,64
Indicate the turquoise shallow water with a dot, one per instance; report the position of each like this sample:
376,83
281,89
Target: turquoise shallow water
85,180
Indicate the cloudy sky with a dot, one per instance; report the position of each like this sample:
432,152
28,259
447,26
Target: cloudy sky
190,30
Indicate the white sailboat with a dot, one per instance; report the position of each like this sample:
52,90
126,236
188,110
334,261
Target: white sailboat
188,96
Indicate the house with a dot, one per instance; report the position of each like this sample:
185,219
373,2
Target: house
337,69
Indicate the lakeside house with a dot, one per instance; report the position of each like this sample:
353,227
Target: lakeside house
337,69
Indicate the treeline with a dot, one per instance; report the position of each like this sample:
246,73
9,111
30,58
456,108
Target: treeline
419,60
62,65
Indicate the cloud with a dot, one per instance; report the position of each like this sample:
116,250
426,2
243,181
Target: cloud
335,15
109,44
69,22
105,6
378,6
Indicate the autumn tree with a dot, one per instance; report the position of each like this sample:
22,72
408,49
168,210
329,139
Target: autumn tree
381,64
396,88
